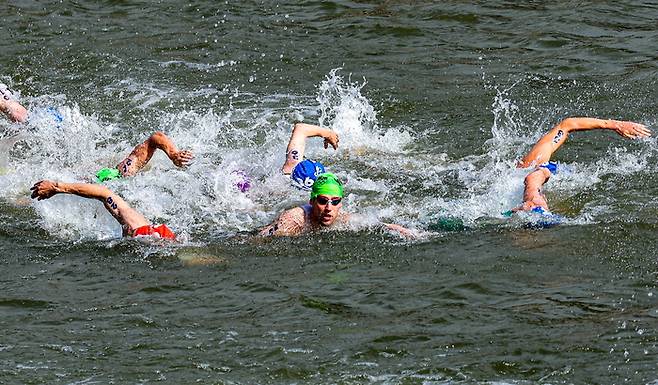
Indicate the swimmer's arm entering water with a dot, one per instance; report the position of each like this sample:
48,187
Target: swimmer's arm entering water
10,107
542,151
297,143
143,153
533,195
402,231
129,218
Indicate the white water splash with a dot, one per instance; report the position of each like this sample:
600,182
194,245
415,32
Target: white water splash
384,182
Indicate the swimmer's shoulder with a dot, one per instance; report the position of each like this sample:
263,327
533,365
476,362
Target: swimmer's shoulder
298,214
289,223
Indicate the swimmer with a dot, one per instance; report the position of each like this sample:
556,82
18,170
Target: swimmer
303,172
322,211
132,222
540,155
142,154
11,108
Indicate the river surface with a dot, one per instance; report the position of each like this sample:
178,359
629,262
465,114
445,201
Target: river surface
433,101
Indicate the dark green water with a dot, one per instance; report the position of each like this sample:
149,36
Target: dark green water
433,101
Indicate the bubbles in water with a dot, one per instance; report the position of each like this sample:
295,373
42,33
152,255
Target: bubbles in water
235,183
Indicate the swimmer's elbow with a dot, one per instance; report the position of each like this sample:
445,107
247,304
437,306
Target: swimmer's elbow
158,138
287,168
574,124
298,128
569,124
305,130
271,230
264,232
536,178
94,191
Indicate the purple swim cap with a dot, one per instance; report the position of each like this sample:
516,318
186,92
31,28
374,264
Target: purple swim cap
241,180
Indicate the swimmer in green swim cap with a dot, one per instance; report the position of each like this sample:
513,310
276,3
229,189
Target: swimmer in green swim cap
106,174
142,154
323,210
327,184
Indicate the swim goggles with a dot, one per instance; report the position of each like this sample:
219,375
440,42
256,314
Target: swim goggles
323,200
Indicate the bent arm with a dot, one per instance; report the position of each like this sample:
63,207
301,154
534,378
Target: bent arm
533,196
143,153
297,143
542,151
164,143
129,218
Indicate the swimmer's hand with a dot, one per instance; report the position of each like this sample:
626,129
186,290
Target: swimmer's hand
13,110
182,158
402,231
330,138
631,130
44,189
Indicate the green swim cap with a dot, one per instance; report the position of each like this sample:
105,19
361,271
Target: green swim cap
106,174
327,184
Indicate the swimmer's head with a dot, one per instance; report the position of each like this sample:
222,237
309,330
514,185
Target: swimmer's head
540,210
326,199
537,217
106,174
55,114
533,209
327,184
304,174
161,231
241,180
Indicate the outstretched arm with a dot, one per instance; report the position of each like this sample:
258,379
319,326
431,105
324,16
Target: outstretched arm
143,153
402,231
297,143
128,217
541,152
10,107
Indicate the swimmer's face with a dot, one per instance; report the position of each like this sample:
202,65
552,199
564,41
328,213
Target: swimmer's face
325,209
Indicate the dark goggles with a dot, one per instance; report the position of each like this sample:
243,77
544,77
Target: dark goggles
323,200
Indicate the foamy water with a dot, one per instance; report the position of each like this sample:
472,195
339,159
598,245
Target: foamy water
385,180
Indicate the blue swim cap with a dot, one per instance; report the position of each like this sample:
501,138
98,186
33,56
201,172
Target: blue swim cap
550,166
546,220
56,115
539,218
304,174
